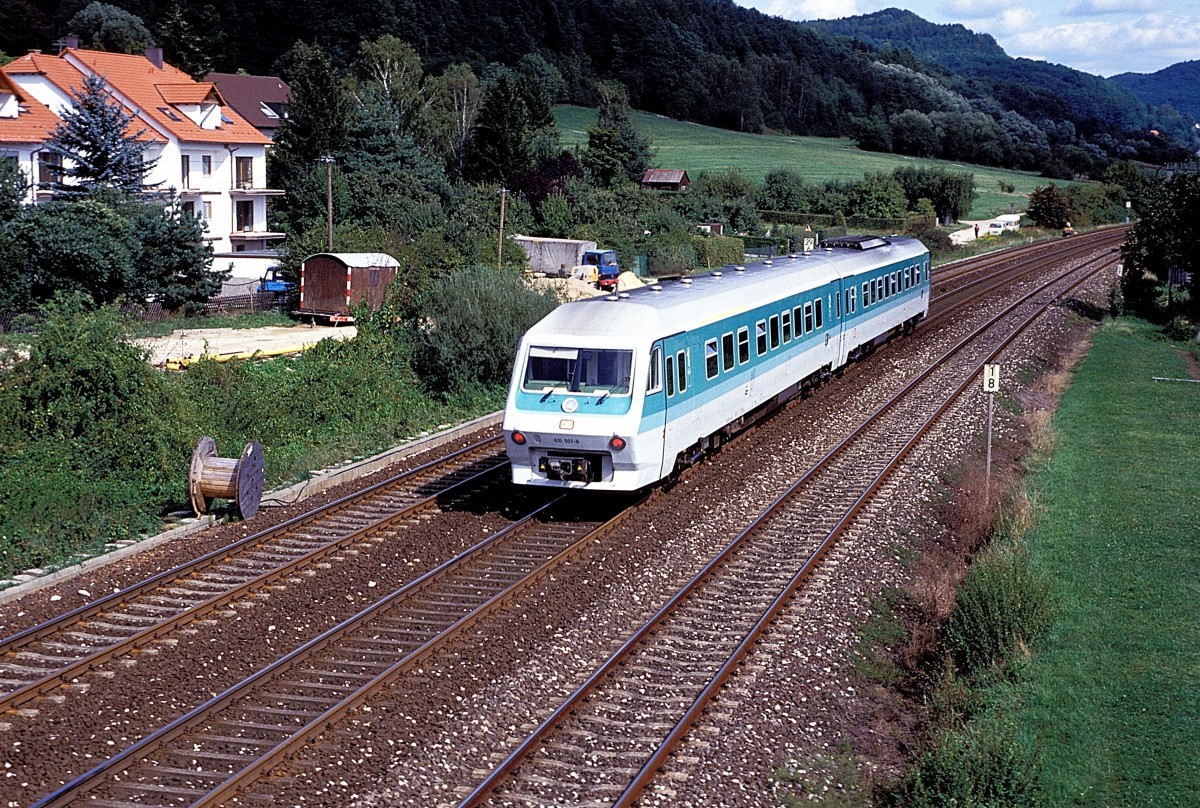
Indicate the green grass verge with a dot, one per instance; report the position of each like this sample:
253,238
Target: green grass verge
696,148
1112,694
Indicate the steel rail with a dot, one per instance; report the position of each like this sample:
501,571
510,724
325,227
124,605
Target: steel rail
81,615
505,768
650,768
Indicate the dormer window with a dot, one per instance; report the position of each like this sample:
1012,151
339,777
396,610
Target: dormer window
265,109
169,113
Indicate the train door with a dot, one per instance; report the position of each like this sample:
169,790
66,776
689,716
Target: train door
654,413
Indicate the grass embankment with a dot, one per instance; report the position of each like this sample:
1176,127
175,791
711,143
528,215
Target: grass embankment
1071,648
1111,696
697,148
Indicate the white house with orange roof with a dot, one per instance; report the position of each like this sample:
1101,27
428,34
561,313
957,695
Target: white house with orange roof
25,125
205,151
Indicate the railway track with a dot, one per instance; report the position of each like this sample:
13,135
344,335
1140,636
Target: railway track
41,659
260,755
605,743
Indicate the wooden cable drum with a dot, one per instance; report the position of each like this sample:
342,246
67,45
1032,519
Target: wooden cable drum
212,477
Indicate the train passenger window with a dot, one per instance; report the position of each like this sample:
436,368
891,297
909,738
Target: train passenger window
654,381
917,274
818,320
787,326
743,345
852,306
866,294
908,277
880,290
670,375
808,317
893,283
727,352
774,331
760,337
681,366
798,319
839,307
710,359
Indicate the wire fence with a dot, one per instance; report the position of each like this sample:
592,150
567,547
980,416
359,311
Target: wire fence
153,312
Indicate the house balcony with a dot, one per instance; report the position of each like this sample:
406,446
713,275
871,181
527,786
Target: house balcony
247,234
248,189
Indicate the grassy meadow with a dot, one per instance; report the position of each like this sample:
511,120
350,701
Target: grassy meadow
1110,696
698,148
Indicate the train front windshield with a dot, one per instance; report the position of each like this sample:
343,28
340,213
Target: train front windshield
578,370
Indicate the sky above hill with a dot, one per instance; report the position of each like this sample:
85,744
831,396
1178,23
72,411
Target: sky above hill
1102,37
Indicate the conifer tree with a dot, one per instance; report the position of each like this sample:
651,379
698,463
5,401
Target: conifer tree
97,148
616,151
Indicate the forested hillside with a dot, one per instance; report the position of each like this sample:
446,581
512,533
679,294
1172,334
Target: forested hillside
901,84
1177,85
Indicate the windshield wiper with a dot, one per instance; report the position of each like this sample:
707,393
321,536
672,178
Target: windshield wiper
621,385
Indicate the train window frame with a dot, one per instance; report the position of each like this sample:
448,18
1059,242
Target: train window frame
670,376
773,331
711,360
727,354
654,375
743,344
818,317
681,368
785,319
760,337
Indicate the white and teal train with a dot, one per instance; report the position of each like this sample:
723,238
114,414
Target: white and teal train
617,392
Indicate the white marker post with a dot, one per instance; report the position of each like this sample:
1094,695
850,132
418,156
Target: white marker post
991,386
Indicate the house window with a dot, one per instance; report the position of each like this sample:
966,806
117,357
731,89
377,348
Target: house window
207,211
245,172
50,167
244,217
185,163
188,208
206,165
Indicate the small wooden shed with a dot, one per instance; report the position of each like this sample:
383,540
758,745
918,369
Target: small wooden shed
666,179
330,283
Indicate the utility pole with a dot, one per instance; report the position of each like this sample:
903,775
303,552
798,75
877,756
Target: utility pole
328,160
500,243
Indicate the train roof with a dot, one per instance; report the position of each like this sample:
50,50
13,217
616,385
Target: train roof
667,308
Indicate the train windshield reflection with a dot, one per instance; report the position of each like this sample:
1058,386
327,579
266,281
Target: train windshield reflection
578,370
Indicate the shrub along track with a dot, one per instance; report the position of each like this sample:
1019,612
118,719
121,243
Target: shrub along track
570,601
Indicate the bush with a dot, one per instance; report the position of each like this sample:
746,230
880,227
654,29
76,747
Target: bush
717,251
472,321
1001,607
992,769
92,440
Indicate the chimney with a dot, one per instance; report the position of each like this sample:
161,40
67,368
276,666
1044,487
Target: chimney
71,42
155,55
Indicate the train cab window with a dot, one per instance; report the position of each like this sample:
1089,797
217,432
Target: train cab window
654,379
773,328
786,317
760,337
590,371
670,376
808,317
710,359
681,366
818,320
743,345
727,352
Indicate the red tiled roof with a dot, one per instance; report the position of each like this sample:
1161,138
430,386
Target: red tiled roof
152,90
33,124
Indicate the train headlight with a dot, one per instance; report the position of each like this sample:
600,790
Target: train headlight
617,443
518,438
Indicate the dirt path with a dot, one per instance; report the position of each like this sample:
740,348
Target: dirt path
195,342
